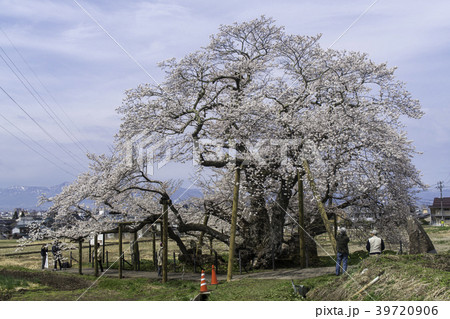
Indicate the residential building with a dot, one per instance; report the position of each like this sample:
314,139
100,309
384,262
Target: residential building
440,211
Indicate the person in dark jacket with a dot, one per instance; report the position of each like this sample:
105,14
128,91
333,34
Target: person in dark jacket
44,251
342,241
57,256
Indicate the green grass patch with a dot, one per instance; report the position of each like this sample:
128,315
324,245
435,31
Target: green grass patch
254,290
9,283
436,229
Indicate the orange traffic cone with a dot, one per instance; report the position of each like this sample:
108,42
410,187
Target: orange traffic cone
213,276
203,287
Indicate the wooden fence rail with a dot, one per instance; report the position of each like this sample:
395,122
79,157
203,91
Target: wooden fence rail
38,252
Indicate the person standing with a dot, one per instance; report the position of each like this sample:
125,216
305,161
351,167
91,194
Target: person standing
44,251
342,241
56,251
160,259
99,257
375,245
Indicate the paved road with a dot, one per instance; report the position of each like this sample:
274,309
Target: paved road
286,273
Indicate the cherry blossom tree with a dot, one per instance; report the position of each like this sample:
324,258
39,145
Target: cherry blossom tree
263,100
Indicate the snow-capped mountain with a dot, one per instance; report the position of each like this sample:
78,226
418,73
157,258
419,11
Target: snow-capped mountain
26,197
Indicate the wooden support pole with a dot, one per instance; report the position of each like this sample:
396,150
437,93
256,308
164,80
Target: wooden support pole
273,256
240,262
174,263
135,252
96,255
165,201
90,252
237,180
301,220
80,256
366,286
120,252
322,211
103,247
155,261
335,225
195,260
216,262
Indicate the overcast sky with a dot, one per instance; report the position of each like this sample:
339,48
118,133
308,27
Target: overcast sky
78,74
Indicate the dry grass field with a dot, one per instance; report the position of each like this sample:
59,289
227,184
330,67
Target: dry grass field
33,260
404,277
439,235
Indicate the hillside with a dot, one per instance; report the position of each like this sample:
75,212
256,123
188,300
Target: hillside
405,277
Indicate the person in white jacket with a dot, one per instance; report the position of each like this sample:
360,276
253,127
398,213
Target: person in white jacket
375,245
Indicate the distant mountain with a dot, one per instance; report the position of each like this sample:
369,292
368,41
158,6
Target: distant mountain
26,197
182,194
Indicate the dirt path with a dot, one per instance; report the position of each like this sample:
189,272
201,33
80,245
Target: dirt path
287,273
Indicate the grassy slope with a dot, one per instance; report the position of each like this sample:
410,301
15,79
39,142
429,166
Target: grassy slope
415,277
407,277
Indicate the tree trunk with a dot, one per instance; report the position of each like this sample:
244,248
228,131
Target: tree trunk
257,233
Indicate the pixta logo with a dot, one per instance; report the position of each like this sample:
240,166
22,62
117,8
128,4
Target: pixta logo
147,152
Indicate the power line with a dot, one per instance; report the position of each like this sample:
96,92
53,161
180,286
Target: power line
118,44
40,126
37,152
34,96
48,92
54,117
447,179
37,143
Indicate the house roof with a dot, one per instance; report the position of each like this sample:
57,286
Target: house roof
437,202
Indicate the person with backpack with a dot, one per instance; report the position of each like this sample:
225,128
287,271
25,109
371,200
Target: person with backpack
57,256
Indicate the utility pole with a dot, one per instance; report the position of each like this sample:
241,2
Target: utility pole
440,187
